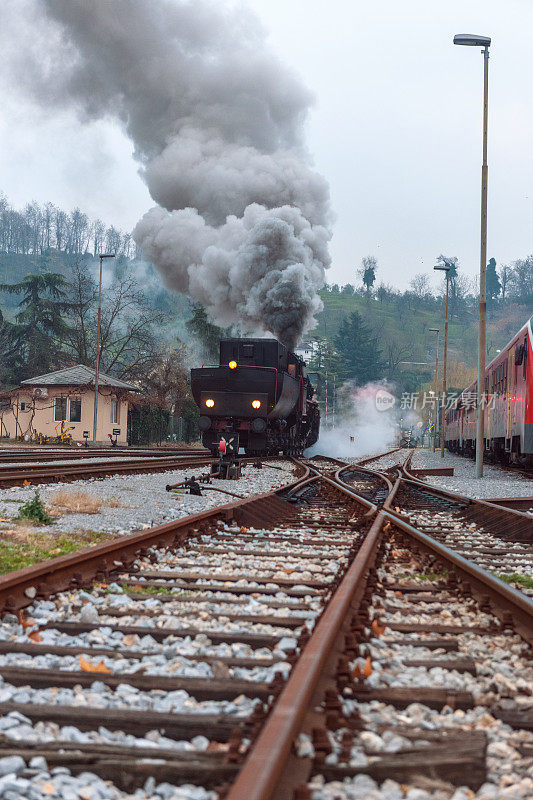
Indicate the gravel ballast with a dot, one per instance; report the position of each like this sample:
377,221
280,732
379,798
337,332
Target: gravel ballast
496,482
142,499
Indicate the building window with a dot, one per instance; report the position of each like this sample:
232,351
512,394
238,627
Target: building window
75,409
60,409
24,405
114,412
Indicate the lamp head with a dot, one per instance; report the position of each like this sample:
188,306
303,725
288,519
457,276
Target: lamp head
471,40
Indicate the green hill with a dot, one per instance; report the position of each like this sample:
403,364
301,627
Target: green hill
402,322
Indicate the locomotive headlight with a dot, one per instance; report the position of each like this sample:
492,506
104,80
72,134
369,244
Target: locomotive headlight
210,403
232,365
256,403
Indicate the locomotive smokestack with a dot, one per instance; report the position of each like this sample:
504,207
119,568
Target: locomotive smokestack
241,224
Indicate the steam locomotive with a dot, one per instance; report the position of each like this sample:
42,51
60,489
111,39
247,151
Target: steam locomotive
261,394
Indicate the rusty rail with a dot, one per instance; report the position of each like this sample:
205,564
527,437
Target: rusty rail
507,520
20,587
515,608
53,473
263,769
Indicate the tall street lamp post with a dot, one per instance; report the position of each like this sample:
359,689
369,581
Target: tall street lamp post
444,268
437,331
97,365
481,41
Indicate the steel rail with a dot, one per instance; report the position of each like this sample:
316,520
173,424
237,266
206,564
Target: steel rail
266,765
371,508
11,475
263,768
508,600
485,510
370,472
376,458
20,587
53,473
511,502
7,457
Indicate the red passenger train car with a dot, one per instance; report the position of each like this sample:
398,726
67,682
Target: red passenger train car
508,409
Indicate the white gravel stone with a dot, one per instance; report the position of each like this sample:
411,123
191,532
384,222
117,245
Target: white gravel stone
131,491
496,482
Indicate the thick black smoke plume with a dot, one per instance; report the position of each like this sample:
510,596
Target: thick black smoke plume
242,221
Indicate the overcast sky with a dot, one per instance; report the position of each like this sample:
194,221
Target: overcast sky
396,130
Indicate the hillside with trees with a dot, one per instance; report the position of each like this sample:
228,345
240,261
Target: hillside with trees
367,331
397,323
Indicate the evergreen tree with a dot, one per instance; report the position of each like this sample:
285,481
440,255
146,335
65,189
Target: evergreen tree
8,353
207,334
493,285
40,329
360,355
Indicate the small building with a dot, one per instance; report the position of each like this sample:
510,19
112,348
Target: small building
305,350
62,402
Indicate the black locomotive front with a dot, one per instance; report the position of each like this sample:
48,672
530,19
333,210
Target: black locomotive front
261,391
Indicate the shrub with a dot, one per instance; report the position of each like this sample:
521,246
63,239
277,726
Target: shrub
34,510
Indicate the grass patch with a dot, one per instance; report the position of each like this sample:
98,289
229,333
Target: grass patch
155,590
23,546
431,576
34,511
77,502
524,580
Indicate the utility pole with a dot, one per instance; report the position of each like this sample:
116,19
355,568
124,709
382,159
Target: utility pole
97,365
484,42
444,268
437,331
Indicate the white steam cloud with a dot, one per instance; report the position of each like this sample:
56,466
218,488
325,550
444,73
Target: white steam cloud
242,220
372,430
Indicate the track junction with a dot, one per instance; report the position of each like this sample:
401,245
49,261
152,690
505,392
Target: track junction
342,629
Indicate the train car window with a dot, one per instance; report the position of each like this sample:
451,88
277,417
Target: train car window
247,351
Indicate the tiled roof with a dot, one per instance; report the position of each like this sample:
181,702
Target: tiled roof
79,375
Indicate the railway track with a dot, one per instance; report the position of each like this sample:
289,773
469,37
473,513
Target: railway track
291,646
23,473
497,538
10,456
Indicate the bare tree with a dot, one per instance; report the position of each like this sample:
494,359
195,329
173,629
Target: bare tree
421,285
166,379
394,352
385,292
129,341
504,275
113,240
98,232
521,280
37,230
